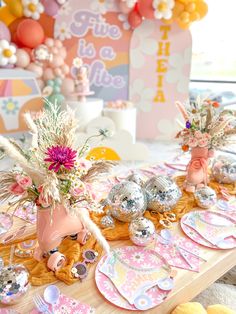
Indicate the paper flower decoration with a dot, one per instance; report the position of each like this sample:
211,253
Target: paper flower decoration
62,31
77,62
7,53
163,9
32,8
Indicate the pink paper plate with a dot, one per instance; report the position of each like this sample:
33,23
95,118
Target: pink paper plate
229,243
138,257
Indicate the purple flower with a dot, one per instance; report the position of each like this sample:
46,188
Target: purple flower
60,156
188,125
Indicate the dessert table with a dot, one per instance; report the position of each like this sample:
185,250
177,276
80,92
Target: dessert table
188,284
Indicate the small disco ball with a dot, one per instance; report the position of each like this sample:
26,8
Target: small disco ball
14,284
137,178
162,193
205,197
142,231
127,201
224,169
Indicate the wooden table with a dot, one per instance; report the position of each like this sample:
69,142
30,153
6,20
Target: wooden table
188,284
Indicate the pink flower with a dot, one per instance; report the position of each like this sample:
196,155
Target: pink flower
85,164
198,134
24,181
202,142
77,192
60,156
16,189
192,142
41,201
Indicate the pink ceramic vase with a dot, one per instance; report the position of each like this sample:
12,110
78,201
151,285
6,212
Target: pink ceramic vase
51,230
197,175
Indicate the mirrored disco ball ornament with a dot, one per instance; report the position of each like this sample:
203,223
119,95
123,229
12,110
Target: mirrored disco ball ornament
14,284
224,169
127,201
107,222
205,197
142,231
162,193
137,178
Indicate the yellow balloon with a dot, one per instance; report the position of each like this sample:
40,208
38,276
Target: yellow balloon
15,7
6,17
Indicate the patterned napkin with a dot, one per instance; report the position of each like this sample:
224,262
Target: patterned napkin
67,305
178,253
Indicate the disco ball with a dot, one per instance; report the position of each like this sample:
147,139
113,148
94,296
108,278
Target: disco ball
224,169
162,193
127,201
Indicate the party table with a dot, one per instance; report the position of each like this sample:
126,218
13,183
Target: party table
188,284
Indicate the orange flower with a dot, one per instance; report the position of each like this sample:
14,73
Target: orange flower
185,148
215,104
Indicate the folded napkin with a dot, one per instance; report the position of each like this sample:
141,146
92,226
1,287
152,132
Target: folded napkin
66,305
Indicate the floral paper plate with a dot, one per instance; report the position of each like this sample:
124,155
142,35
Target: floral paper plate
137,257
6,222
215,218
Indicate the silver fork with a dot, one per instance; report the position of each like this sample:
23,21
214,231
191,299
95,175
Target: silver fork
41,305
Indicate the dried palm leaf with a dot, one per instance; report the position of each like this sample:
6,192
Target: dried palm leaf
220,127
98,170
182,110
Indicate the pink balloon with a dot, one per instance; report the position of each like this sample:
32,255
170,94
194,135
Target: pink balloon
65,69
4,32
40,84
63,52
58,43
55,50
135,19
23,58
146,9
49,42
124,9
58,72
36,69
67,87
57,61
48,74
51,7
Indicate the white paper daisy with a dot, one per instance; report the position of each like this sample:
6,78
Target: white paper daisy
32,8
163,8
7,53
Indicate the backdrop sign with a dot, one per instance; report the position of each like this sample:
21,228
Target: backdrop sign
150,65
101,42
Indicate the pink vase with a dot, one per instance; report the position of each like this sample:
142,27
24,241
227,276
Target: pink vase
51,230
197,175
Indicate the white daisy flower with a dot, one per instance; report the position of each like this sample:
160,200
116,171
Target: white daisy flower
32,9
77,62
102,6
62,31
163,9
7,53
138,257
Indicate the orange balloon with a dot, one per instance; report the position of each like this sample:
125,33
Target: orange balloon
30,33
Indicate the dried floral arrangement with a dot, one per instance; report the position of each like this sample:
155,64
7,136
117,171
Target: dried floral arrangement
205,125
53,170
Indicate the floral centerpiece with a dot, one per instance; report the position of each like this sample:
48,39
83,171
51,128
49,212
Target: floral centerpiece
55,176
206,128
